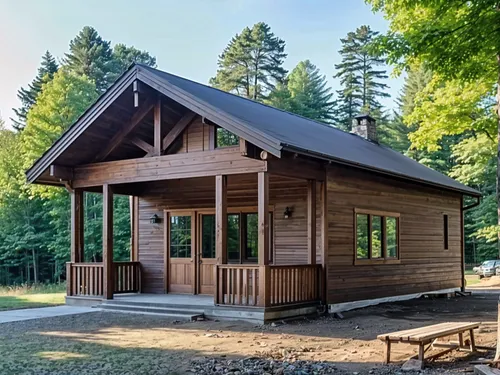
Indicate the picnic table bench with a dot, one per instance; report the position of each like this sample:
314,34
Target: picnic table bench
429,335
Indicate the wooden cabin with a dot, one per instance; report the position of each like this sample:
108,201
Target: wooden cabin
258,208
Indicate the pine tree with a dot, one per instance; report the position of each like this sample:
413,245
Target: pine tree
252,63
124,56
305,93
361,76
28,95
90,55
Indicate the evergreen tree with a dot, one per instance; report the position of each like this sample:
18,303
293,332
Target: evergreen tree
252,63
28,95
91,56
361,75
305,93
124,56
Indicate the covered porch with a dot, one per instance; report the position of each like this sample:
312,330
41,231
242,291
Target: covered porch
274,224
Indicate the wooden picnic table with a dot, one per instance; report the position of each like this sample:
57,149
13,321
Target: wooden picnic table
429,335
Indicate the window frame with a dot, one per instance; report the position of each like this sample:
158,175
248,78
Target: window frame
384,259
216,146
446,231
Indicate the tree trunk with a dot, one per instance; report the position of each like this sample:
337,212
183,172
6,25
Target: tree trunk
35,266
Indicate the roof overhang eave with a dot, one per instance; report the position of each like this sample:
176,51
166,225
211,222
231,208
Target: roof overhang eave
291,148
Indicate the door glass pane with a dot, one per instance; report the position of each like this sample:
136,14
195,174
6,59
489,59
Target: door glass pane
392,237
208,236
233,237
180,236
252,239
362,236
376,237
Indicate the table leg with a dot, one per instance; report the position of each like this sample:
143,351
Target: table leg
472,341
461,340
421,351
387,352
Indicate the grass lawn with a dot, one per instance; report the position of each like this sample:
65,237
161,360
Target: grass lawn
24,297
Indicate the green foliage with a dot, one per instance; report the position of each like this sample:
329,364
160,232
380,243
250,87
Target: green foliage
124,56
60,103
27,96
91,56
362,75
305,93
252,63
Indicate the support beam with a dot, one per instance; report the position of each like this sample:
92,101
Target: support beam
311,221
263,217
157,128
77,229
142,144
61,173
221,219
126,130
178,128
107,241
134,228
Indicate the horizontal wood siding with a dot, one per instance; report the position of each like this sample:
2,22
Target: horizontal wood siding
290,235
424,263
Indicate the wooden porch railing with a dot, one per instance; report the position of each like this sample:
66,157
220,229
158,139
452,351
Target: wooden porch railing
86,279
295,284
127,277
237,284
267,286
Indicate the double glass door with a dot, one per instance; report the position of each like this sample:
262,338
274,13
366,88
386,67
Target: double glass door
191,248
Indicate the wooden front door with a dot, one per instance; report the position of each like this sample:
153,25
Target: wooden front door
180,230
206,254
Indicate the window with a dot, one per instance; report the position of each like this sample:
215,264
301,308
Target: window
445,231
242,237
225,138
377,236
208,236
180,236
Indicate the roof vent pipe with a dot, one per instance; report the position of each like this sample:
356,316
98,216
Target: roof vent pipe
366,127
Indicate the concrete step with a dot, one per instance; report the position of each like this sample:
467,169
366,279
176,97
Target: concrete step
160,305
149,310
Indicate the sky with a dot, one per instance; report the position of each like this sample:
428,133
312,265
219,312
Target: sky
186,36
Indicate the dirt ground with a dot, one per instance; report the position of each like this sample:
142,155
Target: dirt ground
487,282
113,343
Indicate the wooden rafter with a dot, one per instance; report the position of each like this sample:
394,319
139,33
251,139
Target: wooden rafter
125,131
142,144
178,128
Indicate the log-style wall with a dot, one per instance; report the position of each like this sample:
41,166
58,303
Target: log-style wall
424,263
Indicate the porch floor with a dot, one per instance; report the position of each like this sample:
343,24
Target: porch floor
167,299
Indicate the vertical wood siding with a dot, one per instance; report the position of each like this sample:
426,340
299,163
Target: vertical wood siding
425,264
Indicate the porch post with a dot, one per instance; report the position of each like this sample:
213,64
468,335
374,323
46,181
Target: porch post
220,234
311,221
263,240
134,228
157,127
77,247
107,240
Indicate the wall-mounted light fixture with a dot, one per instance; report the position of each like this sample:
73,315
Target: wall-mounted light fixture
155,219
288,213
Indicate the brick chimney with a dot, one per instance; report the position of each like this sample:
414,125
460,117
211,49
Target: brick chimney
365,126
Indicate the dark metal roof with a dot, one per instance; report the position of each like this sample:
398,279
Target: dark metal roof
302,135
271,129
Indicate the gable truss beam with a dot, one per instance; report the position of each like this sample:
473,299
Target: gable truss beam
178,128
142,144
125,131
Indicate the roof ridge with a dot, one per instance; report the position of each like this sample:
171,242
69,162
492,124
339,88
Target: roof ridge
332,126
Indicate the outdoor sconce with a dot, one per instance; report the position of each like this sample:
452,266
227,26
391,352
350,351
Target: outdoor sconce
288,213
155,219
